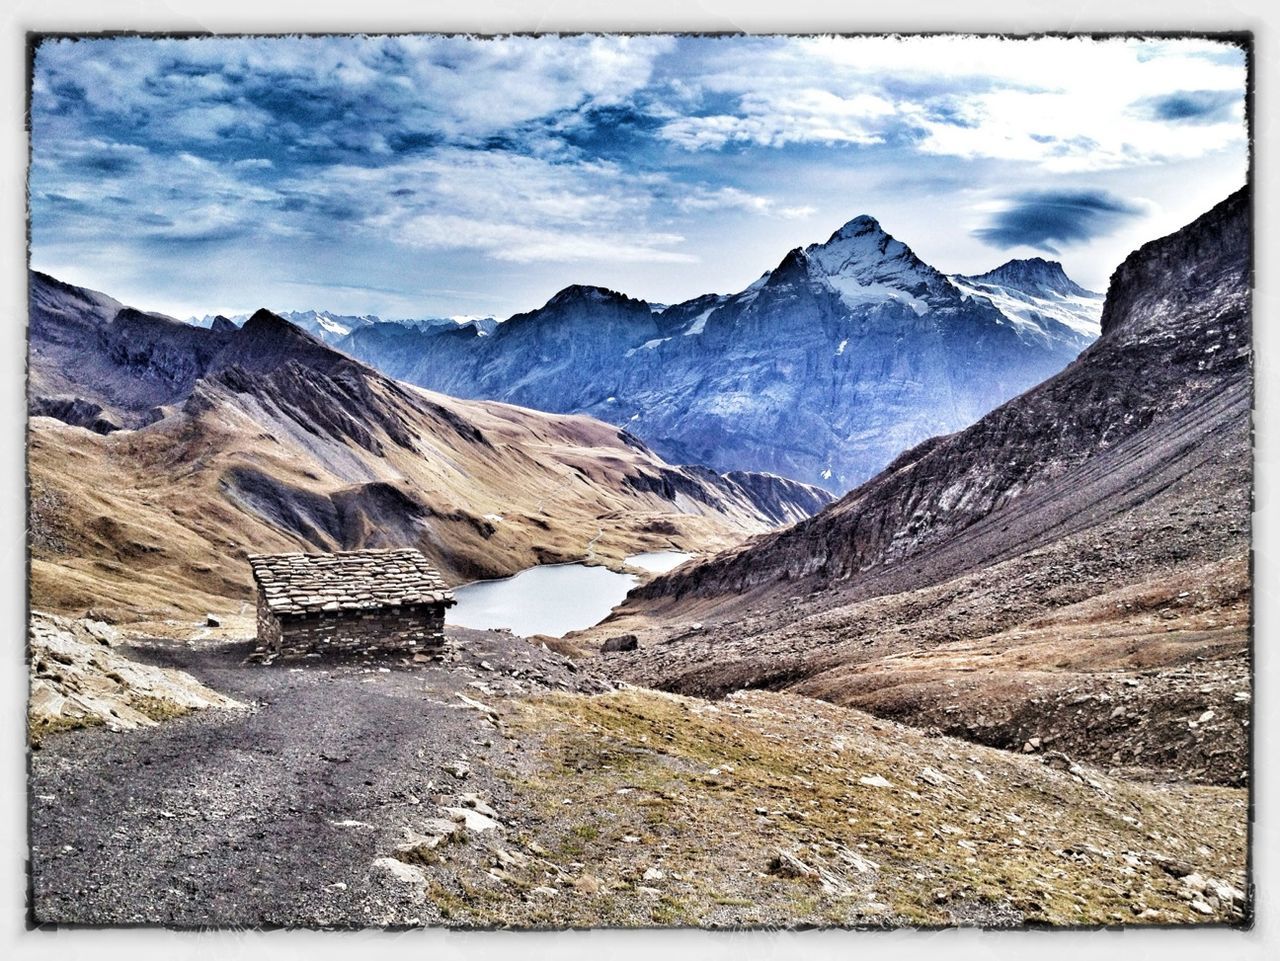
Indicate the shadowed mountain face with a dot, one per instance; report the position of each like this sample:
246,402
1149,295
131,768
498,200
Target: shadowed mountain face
1097,524
824,369
203,444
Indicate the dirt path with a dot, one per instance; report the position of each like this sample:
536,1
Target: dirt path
277,814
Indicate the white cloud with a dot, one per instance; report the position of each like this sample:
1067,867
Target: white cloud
700,199
1064,104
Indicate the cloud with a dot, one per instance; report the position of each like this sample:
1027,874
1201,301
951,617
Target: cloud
770,119
1061,104
702,199
1048,218
1191,106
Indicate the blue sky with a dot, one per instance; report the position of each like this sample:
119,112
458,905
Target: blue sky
421,176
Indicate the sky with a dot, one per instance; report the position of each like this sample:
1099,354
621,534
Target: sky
418,176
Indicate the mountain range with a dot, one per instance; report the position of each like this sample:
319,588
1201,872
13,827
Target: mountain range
160,453
824,369
331,327
1069,573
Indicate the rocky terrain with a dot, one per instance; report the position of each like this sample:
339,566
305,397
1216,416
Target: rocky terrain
261,438
496,783
1069,573
824,369
77,680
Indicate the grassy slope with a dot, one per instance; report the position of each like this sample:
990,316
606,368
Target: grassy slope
144,524
646,808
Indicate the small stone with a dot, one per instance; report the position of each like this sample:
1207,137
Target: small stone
874,780
406,873
440,827
474,802
653,874
211,620
545,892
473,820
457,769
1198,905
787,865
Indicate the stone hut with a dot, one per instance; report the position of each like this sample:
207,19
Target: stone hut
362,602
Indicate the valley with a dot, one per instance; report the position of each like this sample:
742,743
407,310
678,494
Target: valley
262,438
1006,681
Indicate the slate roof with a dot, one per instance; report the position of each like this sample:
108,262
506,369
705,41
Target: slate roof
347,581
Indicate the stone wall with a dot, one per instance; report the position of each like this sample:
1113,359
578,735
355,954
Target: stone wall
407,629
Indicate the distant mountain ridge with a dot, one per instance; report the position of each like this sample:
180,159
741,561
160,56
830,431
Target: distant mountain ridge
823,369
330,327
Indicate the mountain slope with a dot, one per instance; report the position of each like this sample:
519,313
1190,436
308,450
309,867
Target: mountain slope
823,369
265,439
1096,525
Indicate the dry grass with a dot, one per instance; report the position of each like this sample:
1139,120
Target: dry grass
710,794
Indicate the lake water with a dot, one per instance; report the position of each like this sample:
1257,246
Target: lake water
658,562
553,599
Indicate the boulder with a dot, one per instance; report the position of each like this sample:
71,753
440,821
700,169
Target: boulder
623,642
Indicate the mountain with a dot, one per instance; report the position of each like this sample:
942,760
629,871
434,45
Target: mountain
823,369
1039,297
1084,544
206,444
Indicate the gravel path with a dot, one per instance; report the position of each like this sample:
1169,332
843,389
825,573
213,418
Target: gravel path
274,815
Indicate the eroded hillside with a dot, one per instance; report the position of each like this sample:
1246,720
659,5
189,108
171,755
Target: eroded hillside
1070,572
223,442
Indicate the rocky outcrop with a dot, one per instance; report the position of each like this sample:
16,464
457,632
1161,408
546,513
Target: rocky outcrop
73,410
78,680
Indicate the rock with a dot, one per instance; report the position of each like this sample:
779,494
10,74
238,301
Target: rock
545,892
1056,760
510,858
1200,906
401,871
473,820
934,777
457,768
874,780
1174,867
653,874
440,827
211,621
587,884
623,642
474,802
787,865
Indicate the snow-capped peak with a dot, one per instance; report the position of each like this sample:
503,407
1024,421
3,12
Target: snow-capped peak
1035,295
864,264
1034,275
